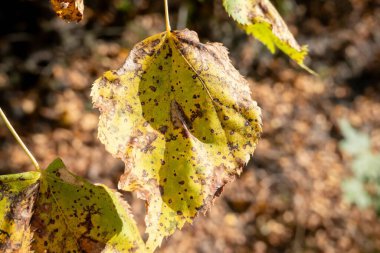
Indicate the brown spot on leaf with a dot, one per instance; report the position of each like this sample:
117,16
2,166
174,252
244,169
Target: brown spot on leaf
161,188
88,244
163,129
178,116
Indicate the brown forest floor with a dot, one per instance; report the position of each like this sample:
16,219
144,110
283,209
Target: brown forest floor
288,199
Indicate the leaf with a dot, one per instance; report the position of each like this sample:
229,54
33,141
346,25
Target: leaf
260,19
69,10
72,215
181,118
354,192
354,141
366,166
66,214
17,195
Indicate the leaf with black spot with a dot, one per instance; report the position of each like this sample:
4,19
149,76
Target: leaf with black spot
17,196
182,119
65,214
74,215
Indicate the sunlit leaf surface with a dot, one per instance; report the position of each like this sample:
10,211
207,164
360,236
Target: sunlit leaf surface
260,19
56,211
182,119
69,10
17,196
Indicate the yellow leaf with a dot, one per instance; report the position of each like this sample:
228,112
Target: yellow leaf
69,10
182,119
260,19
17,196
72,215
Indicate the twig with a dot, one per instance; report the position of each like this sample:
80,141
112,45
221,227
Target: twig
19,141
167,21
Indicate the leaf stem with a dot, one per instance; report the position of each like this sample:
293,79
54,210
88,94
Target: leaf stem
167,21
19,141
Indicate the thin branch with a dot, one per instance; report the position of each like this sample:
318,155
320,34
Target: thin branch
167,21
19,141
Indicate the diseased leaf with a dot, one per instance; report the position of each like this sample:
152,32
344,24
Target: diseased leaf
72,215
65,214
260,19
69,10
181,118
17,195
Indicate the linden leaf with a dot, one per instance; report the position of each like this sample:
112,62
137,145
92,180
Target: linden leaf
182,119
69,10
17,195
66,214
260,19
72,215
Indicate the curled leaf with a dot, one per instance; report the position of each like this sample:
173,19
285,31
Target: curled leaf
69,10
181,118
261,19
17,195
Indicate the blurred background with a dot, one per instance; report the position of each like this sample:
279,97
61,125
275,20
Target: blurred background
294,196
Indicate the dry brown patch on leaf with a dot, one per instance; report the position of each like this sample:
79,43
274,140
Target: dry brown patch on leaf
69,10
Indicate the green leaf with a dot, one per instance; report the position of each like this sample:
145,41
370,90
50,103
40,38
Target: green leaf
72,215
260,19
182,119
354,192
354,141
17,195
